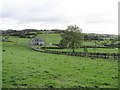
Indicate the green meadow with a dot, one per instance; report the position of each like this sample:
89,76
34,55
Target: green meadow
55,39
26,68
50,38
100,50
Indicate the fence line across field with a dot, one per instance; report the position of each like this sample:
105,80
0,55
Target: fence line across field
114,56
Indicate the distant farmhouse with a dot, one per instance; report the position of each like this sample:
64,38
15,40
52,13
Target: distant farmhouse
37,41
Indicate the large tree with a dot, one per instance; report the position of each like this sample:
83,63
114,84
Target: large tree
72,37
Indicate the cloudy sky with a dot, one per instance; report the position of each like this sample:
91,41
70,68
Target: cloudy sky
92,16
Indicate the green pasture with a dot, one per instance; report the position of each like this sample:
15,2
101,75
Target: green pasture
50,38
100,50
88,43
25,68
18,41
0,62
55,39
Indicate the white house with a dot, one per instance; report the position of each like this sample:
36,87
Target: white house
37,41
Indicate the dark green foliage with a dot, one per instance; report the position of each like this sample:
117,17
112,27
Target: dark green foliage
72,37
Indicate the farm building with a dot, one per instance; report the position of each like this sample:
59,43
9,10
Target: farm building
37,41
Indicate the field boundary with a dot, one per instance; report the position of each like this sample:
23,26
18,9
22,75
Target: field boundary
92,55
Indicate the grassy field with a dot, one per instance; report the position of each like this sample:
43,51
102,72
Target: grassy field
50,38
25,68
100,50
55,39
0,62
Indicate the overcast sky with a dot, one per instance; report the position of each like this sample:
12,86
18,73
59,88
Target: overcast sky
92,16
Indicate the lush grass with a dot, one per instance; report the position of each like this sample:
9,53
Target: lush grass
0,63
50,38
23,68
100,50
88,43
20,41
55,39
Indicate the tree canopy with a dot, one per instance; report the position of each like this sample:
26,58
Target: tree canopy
72,37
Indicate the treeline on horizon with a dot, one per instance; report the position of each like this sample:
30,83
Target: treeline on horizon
25,33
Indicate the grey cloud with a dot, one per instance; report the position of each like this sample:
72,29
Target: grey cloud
41,16
35,12
100,18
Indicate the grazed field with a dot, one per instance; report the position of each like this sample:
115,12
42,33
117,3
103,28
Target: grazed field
50,38
55,39
100,50
23,68
0,64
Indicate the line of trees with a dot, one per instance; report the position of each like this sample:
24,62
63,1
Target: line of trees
87,36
